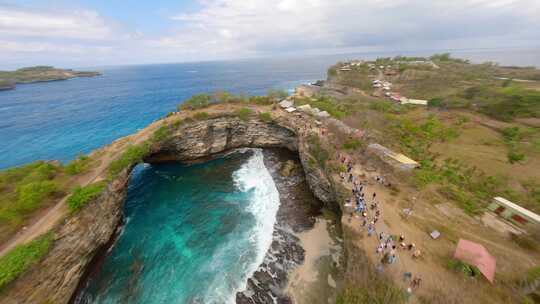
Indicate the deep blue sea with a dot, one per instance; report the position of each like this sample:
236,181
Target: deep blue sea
58,120
192,234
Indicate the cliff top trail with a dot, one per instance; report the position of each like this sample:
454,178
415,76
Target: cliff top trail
467,144
49,218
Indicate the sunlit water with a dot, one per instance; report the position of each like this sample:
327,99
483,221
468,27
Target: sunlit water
58,120
192,234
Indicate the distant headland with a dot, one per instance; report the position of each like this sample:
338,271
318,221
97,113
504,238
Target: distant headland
9,79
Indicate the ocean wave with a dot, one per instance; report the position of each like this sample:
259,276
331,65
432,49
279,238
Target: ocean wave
254,177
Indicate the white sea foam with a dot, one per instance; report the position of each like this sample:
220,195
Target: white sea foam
264,205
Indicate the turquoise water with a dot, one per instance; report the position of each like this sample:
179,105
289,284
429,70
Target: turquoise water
192,235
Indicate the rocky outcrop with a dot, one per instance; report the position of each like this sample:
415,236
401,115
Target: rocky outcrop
76,242
203,139
56,277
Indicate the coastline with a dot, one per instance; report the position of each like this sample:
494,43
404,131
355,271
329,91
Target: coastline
299,214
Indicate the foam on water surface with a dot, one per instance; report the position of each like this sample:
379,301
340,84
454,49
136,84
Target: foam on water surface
193,234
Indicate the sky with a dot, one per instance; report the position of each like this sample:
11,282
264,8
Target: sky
84,33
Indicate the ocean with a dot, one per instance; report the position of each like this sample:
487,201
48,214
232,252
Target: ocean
59,120
193,234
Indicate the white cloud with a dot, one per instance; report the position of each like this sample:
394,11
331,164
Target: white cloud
223,29
286,25
84,24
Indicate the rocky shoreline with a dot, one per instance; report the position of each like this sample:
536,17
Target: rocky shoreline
297,212
79,238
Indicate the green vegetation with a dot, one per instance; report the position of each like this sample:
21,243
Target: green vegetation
446,57
78,165
162,133
25,189
376,293
131,156
326,103
277,94
386,106
265,116
244,113
502,103
261,100
30,195
23,256
39,73
417,137
201,116
533,274
83,195
195,102
201,101
352,144
332,72
515,156
470,188
513,137
319,154
459,266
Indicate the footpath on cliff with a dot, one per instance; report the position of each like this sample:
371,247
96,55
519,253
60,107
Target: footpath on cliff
429,266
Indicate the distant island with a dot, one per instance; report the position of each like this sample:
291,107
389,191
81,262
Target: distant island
9,79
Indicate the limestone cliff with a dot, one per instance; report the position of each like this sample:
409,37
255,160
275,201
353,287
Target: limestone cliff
76,242
81,236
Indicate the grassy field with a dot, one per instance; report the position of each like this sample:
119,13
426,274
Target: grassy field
478,138
26,190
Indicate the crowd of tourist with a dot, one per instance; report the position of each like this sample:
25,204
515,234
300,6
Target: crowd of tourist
368,210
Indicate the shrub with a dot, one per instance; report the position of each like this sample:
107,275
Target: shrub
261,100
352,144
82,195
32,194
459,266
201,116
265,116
244,113
277,94
195,102
161,134
319,154
376,293
325,103
515,156
77,165
435,103
131,156
512,134
24,189
17,260
332,72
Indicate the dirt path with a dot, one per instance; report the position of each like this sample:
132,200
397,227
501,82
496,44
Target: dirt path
49,218
53,215
431,267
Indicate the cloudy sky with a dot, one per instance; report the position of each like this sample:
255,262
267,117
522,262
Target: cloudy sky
82,33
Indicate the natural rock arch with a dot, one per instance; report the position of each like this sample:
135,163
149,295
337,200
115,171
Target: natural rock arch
84,236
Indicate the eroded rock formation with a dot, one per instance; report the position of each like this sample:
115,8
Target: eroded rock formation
81,236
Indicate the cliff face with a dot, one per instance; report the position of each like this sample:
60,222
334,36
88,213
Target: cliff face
56,277
76,241
199,140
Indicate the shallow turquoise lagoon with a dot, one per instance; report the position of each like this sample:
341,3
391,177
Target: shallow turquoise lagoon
192,235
